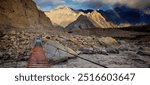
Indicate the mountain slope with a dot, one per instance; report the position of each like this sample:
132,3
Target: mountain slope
100,20
62,16
22,14
90,20
82,22
124,14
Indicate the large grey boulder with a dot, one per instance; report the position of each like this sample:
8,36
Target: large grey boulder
57,53
101,51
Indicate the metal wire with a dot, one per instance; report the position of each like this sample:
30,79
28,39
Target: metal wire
80,57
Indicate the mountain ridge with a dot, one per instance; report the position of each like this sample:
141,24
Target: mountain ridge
63,15
90,20
66,17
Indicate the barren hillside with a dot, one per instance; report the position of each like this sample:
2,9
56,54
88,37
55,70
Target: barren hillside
22,14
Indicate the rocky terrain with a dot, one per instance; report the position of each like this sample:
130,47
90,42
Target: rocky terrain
15,49
21,21
120,51
110,50
107,51
127,49
15,43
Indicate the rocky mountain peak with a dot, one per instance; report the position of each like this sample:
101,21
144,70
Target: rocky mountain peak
64,8
90,20
82,17
62,16
96,15
82,22
100,20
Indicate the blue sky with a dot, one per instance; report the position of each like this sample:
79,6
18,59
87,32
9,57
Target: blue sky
75,4
90,4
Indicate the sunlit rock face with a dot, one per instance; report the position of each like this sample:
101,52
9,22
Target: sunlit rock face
100,20
62,16
22,14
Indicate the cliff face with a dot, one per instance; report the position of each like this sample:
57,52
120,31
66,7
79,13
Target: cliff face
100,20
22,14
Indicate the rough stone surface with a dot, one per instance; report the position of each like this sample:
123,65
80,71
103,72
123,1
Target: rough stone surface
76,63
57,53
107,41
144,53
15,48
112,50
22,14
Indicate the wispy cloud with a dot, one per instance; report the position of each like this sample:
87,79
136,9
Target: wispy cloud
50,2
130,3
95,4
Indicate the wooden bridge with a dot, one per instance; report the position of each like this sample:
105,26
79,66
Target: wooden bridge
37,58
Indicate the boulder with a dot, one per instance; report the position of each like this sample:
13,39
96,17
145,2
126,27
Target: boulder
2,34
57,53
87,51
144,48
101,51
143,53
123,48
107,41
93,51
112,50
22,64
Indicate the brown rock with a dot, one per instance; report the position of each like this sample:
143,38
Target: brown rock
107,41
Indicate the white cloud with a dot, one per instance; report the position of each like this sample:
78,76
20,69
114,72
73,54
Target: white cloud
81,1
51,2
